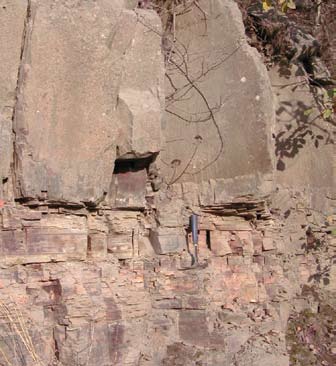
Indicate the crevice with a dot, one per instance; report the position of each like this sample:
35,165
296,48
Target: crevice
20,77
208,239
56,349
32,203
89,246
133,252
132,164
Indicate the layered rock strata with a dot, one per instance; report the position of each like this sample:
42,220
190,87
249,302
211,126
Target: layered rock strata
98,184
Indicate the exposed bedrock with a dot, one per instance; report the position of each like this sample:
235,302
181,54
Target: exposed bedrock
13,15
88,90
304,142
219,107
102,165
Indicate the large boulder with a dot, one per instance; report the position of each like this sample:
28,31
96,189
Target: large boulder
82,74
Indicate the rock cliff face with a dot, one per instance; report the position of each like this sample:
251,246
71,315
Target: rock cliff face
79,78
203,127
114,129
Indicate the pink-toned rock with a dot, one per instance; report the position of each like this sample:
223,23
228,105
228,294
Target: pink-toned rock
121,246
268,244
236,263
220,243
242,286
257,242
246,238
202,242
96,94
129,189
174,303
168,240
219,264
12,243
304,273
193,327
97,245
194,302
236,244
178,285
259,259
262,294
13,14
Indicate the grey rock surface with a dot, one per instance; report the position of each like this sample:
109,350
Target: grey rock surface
6,146
165,241
219,109
13,16
304,142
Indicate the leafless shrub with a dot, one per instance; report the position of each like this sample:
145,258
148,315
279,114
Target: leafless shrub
181,65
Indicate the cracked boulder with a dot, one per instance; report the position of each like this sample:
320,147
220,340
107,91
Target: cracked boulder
78,67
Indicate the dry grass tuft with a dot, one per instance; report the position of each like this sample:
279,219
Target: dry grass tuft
16,345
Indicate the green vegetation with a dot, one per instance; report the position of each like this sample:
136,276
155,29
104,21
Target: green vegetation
283,4
310,335
288,32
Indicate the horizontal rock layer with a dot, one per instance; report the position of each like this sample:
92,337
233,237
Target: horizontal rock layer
97,260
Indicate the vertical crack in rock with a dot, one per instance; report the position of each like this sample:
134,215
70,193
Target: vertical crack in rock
18,95
139,104
13,15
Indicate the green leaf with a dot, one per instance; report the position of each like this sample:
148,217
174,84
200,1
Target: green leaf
332,93
308,112
267,5
327,113
291,4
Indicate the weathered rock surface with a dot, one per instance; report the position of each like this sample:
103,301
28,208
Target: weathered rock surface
219,109
6,145
304,142
96,293
13,16
115,281
74,85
